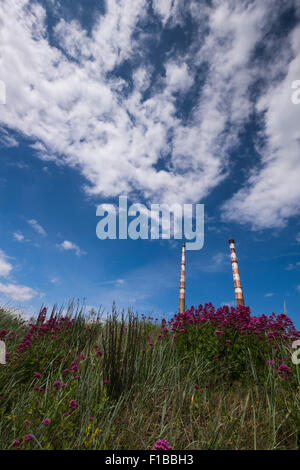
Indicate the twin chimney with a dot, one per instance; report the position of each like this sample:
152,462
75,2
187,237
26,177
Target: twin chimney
236,278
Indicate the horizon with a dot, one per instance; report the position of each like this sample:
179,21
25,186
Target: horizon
165,103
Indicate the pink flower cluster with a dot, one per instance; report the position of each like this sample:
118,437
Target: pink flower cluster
52,327
239,318
162,444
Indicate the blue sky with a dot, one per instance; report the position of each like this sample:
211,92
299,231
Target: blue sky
165,101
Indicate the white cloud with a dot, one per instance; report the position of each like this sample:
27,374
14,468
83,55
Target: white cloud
298,237
272,194
17,292
70,246
298,288
114,282
292,266
18,236
12,290
178,77
5,266
7,140
168,10
65,99
37,227
271,294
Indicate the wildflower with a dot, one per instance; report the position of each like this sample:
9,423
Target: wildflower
36,375
196,387
283,371
28,437
99,353
26,422
91,419
42,315
57,384
16,443
46,421
284,368
270,362
162,444
74,366
73,405
75,378
3,333
36,388
105,382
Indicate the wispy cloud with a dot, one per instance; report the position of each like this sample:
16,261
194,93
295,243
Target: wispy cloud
68,100
114,282
7,140
18,236
37,227
17,292
70,246
270,294
13,291
293,266
272,194
5,266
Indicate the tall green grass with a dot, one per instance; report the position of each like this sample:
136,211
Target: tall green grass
140,389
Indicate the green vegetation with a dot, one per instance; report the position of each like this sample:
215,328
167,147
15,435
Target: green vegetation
76,382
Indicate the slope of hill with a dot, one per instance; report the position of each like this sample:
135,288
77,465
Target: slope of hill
206,379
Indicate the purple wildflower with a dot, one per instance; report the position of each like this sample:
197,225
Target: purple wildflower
73,405
16,443
162,444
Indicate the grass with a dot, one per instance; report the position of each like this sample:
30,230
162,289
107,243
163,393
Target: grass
133,384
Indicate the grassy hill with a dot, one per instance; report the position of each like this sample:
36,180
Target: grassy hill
207,379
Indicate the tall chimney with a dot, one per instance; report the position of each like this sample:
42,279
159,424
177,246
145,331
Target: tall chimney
236,276
182,281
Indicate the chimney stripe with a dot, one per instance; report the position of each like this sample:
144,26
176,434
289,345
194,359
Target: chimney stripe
182,281
236,276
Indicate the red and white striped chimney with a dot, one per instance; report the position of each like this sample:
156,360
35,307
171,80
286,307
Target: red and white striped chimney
236,276
182,281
